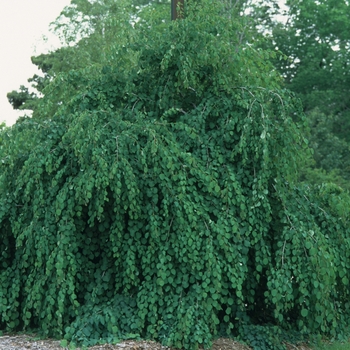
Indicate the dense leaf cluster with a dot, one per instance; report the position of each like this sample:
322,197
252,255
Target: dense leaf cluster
157,201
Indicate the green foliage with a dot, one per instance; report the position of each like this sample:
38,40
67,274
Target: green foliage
2,126
21,99
152,196
334,346
316,39
107,323
262,338
314,255
331,159
315,36
86,30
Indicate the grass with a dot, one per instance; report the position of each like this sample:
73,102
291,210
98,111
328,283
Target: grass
339,346
332,346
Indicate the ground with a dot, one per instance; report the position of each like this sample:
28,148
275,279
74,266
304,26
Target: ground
27,342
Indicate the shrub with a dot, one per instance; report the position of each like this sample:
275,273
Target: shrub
156,199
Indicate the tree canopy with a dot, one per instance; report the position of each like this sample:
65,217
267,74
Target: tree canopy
315,37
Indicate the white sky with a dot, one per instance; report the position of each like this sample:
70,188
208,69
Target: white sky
22,25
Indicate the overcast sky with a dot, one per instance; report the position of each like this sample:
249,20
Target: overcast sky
22,25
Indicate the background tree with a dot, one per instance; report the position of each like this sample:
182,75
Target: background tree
316,38
86,31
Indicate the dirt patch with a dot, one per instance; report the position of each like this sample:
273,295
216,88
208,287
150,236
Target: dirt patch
27,342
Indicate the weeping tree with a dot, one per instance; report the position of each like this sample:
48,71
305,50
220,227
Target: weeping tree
151,196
